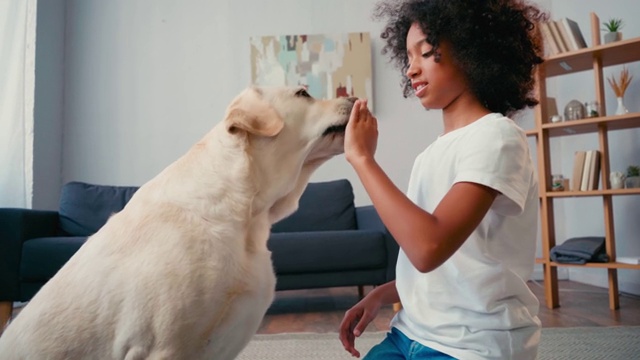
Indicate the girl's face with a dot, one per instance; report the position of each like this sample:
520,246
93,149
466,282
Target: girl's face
436,84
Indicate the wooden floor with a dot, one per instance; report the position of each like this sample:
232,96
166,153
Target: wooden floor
321,310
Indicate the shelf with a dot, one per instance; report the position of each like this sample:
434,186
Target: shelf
593,60
591,125
615,53
609,265
564,194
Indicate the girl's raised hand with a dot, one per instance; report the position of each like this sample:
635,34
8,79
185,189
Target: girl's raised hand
361,137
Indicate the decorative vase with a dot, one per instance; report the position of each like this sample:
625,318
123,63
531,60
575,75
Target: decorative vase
632,182
574,110
621,108
612,36
617,179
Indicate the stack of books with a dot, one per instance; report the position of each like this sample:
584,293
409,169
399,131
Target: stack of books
586,170
561,36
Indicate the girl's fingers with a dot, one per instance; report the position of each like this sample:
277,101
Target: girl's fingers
364,110
362,324
348,341
355,112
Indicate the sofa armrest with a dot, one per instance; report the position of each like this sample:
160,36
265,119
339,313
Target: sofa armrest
17,226
367,218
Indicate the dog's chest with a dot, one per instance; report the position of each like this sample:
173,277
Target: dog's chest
246,311
262,280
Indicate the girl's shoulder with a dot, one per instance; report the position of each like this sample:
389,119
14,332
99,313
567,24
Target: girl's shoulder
496,125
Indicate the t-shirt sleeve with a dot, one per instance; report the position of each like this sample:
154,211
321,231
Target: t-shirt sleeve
497,156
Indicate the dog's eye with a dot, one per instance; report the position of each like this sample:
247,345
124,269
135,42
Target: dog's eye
303,93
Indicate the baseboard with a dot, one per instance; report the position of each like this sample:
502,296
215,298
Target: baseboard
538,273
629,288
594,277
599,279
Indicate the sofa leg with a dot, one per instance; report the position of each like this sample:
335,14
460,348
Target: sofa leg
360,292
6,309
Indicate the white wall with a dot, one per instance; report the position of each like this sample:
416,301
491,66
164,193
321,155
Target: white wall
145,79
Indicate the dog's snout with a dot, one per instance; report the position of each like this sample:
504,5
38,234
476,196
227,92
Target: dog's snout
352,99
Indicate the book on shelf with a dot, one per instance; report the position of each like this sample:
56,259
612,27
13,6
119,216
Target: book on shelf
552,107
550,44
562,35
634,260
584,179
578,164
594,170
573,33
586,170
566,35
555,30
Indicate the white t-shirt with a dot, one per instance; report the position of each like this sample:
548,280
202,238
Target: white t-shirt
477,304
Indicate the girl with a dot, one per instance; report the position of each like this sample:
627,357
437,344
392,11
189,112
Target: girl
467,227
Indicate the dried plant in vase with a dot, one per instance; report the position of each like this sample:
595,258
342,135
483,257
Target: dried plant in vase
619,87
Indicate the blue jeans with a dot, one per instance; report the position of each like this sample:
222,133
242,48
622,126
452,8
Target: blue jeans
397,346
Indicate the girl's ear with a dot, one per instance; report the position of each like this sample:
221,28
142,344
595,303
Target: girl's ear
250,113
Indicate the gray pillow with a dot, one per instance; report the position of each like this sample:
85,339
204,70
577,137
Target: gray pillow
85,208
323,206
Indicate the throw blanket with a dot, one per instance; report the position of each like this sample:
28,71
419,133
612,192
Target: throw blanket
580,250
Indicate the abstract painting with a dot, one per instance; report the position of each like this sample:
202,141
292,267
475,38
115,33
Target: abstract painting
329,65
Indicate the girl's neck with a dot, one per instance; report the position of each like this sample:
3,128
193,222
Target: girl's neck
461,112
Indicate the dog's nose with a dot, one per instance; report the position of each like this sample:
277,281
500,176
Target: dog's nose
352,99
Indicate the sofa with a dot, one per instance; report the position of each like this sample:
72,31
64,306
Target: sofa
327,242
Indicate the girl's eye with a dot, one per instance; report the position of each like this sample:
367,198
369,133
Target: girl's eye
303,93
428,53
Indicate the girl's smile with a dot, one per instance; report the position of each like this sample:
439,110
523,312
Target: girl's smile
420,88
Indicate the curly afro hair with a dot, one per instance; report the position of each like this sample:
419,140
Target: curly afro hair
495,42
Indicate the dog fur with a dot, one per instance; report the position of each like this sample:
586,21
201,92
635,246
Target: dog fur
183,271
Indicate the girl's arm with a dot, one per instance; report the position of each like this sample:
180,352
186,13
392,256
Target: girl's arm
427,239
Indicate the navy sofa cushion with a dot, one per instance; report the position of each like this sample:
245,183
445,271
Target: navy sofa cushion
323,206
85,208
306,252
43,257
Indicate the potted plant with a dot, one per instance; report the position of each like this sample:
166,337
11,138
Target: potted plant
633,177
612,28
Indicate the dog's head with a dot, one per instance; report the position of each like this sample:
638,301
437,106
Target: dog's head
286,127
288,134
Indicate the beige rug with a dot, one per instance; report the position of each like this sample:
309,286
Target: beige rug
584,343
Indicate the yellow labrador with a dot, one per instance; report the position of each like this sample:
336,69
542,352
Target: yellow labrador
183,271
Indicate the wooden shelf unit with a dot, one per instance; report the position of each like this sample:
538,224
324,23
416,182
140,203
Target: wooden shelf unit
594,58
615,53
592,265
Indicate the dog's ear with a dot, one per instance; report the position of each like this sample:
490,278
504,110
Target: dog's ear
251,113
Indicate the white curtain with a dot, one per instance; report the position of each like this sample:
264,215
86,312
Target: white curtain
17,81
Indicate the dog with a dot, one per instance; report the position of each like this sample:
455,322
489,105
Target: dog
183,271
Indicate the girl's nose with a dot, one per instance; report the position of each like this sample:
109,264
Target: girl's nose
412,70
